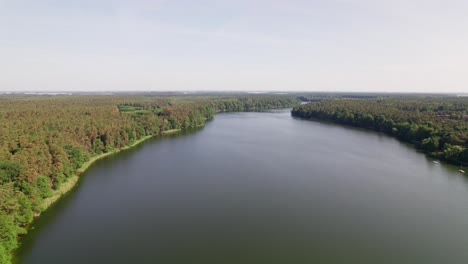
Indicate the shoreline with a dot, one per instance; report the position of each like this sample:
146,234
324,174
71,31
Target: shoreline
73,180
372,130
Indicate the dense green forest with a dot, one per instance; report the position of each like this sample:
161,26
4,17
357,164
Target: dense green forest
44,140
436,125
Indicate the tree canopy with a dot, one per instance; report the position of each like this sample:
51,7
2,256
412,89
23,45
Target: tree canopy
44,140
436,125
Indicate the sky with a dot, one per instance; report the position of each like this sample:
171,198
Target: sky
236,45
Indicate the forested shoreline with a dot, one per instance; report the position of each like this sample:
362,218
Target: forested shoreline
44,140
436,125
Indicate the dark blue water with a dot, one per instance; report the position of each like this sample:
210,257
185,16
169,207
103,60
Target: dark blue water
260,188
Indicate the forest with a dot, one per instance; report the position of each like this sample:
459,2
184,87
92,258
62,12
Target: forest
437,126
44,140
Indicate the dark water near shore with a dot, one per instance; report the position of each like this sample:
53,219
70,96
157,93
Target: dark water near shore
259,188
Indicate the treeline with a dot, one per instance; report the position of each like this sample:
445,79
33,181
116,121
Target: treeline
438,126
45,139
253,103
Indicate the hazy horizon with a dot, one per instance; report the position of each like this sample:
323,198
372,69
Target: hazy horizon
315,46
189,92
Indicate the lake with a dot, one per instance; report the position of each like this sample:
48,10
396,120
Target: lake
259,188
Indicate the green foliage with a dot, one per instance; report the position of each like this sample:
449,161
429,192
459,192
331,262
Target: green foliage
77,156
452,152
15,213
43,186
5,257
430,144
45,140
435,125
24,213
8,232
9,171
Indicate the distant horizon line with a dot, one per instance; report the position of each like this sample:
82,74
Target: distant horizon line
64,92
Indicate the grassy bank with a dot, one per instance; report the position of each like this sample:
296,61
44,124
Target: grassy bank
67,186
47,141
171,131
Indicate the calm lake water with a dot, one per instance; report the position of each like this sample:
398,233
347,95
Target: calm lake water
253,188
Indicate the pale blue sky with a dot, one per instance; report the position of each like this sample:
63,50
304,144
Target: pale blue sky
327,45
